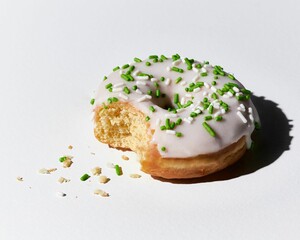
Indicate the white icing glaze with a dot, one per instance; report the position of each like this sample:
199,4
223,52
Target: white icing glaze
195,140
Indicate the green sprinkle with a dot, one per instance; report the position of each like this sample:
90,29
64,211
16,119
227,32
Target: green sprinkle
198,66
211,109
167,123
189,102
116,68
178,134
118,169
107,86
157,93
109,100
156,84
207,118
204,74
218,118
205,105
216,77
130,77
257,125
62,159
189,67
209,129
175,57
134,87
147,118
178,80
232,91
193,114
125,77
231,76
131,68
163,57
220,92
163,128
153,57
137,60
125,66
92,101
176,69
245,91
172,125
104,78
214,96
241,97
85,177
152,109
148,64
213,83
155,60
110,89
126,90
205,99
163,149
149,92
162,79
114,99
176,98
179,105
178,122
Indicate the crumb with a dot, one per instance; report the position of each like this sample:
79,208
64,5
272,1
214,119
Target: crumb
93,153
47,171
96,171
70,147
20,179
101,193
125,157
61,194
63,180
134,175
67,163
104,179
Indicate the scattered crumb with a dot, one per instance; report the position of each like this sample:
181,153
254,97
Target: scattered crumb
47,171
104,179
93,153
110,165
67,163
125,157
63,180
61,194
20,179
70,147
101,193
134,175
96,171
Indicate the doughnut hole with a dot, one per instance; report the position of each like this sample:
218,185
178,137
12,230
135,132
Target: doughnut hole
122,126
164,103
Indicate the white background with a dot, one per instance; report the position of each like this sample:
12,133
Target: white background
53,55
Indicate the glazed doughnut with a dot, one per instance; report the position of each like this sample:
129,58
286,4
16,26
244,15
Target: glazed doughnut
184,118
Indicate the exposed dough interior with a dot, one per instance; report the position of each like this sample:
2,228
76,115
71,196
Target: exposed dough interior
122,126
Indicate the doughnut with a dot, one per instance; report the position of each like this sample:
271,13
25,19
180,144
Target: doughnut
184,118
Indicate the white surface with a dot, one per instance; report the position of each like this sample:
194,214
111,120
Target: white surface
52,56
